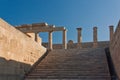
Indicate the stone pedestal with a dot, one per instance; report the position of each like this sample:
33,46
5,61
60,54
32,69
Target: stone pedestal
79,45
64,39
95,41
111,28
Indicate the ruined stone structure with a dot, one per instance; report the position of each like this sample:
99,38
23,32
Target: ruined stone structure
43,27
80,44
23,56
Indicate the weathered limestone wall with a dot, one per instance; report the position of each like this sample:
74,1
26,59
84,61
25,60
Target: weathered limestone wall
75,45
115,50
17,52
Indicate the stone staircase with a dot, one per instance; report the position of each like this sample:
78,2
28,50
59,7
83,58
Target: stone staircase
72,64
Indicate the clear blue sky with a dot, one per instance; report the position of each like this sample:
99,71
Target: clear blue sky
68,13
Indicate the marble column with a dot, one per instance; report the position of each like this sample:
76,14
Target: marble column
64,39
50,41
111,28
79,30
95,41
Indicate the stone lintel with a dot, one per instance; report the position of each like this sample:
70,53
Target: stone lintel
39,29
58,28
39,24
24,26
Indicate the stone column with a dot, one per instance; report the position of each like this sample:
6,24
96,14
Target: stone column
111,28
36,36
95,41
50,41
64,39
79,38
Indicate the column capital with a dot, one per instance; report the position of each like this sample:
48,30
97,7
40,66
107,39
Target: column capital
50,31
95,27
111,26
65,30
79,28
36,32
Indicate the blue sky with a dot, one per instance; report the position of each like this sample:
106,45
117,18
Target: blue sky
68,13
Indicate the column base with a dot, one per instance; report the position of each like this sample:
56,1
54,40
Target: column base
64,47
50,49
95,45
79,45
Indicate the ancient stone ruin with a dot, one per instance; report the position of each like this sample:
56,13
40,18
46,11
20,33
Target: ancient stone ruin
23,55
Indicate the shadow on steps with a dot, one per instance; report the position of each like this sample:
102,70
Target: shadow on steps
111,65
37,62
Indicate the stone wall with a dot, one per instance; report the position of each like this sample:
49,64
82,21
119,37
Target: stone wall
74,45
18,52
115,50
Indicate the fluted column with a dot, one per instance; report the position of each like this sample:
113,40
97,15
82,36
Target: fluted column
64,39
111,28
79,30
95,41
50,41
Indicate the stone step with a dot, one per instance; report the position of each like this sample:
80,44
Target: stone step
84,49
67,70
89,67
65,60
74,50
71,53
77,57
69,73
70,77
74,62
80,71
72,69
79,64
